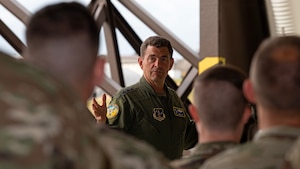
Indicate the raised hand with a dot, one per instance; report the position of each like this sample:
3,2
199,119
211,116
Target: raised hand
100,110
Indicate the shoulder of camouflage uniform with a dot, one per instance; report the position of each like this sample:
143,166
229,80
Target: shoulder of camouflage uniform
201,153
190,162
229,159
126,152
40,127
292,158
248,156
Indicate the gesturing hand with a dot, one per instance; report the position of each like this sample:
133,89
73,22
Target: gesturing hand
100,110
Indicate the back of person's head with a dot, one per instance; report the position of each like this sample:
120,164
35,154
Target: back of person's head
158,42
41,125
275,74
218,97
63,39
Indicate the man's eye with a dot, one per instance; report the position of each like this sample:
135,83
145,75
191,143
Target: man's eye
152,59
163,59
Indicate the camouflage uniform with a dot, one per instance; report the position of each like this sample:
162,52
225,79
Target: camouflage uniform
44,126
267,151
201,153
293,156
126,152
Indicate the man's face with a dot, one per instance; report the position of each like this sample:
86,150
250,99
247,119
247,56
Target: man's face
156,63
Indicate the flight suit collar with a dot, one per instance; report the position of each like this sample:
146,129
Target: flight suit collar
144,83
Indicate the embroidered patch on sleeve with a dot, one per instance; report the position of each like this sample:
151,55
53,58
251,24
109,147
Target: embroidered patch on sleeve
112,111
179,112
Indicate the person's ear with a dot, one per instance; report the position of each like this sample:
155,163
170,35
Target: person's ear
99,70
248,91
194,113
140,61
171,64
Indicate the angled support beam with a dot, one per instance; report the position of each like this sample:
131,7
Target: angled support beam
186,84
99,11
109,85
17,9
112,47
11,38
127,31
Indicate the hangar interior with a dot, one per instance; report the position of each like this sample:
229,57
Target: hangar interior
230,29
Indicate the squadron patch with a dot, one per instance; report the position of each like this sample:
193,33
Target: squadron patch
112,111
179,112
158,114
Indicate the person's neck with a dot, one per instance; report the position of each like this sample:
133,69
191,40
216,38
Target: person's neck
214,136
269,118
208,135
157,87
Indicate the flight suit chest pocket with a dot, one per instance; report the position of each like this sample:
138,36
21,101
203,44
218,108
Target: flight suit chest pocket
179,119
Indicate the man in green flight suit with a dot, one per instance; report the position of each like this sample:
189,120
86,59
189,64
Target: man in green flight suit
149,109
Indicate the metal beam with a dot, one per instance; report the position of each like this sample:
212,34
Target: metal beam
209,21
187,82
127,31
17,9
112,47
99,11
109,85
11,38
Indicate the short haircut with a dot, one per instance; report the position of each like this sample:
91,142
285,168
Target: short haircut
63,37
275,73
218,97
158,42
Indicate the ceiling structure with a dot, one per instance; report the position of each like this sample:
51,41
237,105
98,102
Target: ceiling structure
231,29
109,19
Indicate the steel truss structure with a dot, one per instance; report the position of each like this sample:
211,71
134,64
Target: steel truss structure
109,19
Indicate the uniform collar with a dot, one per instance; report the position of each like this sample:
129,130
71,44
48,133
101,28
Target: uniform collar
280,131
144,83
213,147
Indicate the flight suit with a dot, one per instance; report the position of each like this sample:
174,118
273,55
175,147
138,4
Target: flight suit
162,121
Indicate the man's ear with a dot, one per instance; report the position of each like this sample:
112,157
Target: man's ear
194,113
99,70
248,91
171,64
140,61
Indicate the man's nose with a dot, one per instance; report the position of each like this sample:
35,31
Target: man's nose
157,62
